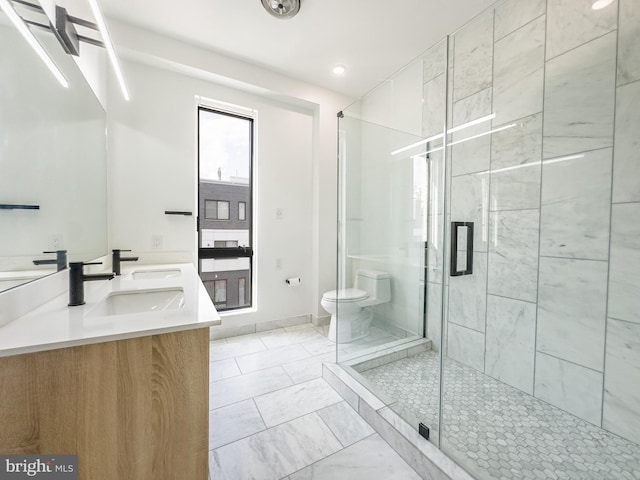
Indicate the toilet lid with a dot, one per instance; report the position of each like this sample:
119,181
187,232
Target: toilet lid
346,295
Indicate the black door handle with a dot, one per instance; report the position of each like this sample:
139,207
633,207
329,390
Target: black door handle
454,272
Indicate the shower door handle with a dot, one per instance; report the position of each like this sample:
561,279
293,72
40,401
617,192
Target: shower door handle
454,272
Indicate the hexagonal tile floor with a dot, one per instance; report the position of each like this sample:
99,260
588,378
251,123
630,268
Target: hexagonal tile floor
498,432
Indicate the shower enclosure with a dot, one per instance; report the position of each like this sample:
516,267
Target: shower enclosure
497,180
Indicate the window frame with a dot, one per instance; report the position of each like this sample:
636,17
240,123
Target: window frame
239,251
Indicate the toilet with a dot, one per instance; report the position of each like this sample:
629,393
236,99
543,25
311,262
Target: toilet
371,288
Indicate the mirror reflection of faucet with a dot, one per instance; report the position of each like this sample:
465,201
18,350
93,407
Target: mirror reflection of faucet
77,278
60,260
117,258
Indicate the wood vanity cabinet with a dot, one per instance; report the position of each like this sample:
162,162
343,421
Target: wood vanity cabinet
130,409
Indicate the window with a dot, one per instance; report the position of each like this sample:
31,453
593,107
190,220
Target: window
241,295
220,292
225,243
225,253
216,210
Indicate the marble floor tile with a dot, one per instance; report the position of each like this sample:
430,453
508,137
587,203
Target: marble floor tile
290,338
271,358
473,52
498,432
319,346
626,167
239,346
513,254
258,335
572,303
308,369
574,23
624,266
222,369
233,422
276,452
236,389
345,423
292,402
369,459
573,388
519,73
580,98
622,380
575,211
628,51
513,14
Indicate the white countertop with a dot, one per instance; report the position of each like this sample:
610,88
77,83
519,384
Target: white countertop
55,325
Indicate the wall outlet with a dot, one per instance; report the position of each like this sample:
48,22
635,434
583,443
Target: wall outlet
156,242
55,242
279,213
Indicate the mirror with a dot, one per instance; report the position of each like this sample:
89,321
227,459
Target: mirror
53,156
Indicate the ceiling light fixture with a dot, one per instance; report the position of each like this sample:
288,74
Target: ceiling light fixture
339,70
17,21
600,4
283,9
108,44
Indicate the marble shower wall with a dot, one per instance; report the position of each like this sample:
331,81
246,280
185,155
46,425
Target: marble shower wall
553,305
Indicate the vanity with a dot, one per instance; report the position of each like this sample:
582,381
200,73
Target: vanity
122,381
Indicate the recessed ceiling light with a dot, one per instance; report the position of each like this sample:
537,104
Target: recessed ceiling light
339,70
600,4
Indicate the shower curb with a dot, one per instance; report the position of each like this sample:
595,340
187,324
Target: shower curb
424,457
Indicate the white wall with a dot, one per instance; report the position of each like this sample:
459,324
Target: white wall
152,164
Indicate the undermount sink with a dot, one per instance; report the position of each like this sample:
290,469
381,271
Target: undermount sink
140,301
154,274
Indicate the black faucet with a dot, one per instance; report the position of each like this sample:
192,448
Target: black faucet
117,259
77,279
60,260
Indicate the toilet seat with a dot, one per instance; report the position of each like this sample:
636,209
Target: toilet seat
347,295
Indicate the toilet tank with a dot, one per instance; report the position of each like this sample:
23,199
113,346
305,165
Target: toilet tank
376,284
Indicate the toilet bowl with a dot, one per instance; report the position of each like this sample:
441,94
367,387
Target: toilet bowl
350,317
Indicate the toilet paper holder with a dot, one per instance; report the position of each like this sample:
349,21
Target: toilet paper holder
292,282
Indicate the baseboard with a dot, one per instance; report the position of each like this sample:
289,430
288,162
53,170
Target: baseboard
320,321
226,331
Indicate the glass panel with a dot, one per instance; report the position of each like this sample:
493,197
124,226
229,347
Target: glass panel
220,291
223,210
391,216
241,291
211,209
225,149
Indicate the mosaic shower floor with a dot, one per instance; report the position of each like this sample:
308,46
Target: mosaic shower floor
498,432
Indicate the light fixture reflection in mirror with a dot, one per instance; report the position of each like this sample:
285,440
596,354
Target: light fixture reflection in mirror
17,21
53,156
